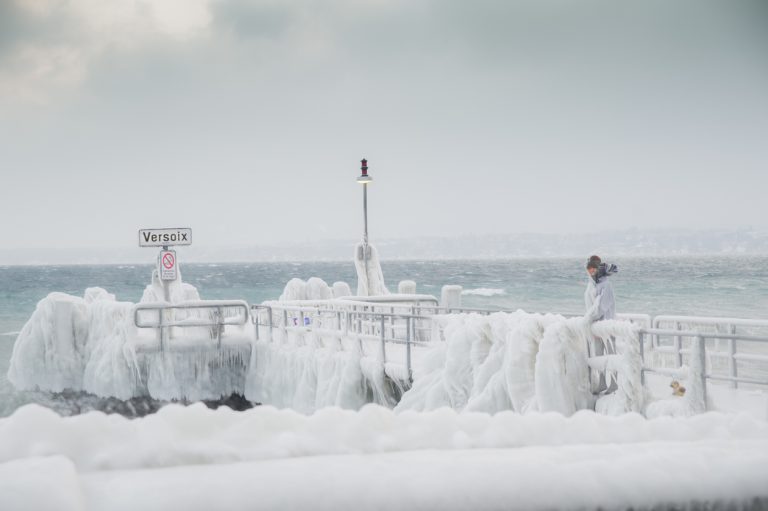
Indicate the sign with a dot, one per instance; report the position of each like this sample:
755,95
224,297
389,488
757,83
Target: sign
165,237
167,265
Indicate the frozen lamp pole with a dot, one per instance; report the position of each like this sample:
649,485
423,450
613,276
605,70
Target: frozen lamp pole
364,179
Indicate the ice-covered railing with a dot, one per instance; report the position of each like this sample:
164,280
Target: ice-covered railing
734,348
689,348
391,329
214,315
407,321
402,321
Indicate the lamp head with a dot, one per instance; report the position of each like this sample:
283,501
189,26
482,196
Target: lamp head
364,178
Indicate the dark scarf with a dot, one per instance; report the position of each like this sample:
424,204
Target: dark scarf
605,270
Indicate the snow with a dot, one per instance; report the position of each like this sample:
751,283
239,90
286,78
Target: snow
44,483
265,458
530,479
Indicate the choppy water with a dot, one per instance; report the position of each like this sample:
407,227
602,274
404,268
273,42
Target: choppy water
709,286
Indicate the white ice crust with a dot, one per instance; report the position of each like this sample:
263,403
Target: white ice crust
479,363
200,459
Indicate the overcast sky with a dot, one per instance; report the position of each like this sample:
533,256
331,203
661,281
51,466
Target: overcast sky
246,120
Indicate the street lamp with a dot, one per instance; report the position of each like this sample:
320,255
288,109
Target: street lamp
364,251
364,180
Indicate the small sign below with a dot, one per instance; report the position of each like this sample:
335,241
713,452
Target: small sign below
167,265
165,237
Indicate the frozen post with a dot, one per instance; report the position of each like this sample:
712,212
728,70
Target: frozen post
450,297
167,264
406,287
364,179
370,279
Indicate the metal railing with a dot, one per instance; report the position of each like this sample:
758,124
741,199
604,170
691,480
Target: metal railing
737,334
213,314
402,323
397,323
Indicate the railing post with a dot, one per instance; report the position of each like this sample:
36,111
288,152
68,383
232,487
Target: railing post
408,349
271,324
256,318
383,342
346,323
701,353
219,325
642,357
162,329
733,369
678,346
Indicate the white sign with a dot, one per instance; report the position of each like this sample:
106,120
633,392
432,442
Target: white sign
167,265
165,237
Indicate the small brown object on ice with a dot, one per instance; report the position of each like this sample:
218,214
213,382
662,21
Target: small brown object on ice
677,389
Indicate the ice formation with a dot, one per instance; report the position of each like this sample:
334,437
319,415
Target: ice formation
481,363
522,362
370,278
92,344
305,374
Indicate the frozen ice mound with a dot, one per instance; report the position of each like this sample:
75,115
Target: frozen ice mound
522,362
92,344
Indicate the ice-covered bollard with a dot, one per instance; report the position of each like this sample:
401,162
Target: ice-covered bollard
450,297
406,287
340,289
295,289
317,289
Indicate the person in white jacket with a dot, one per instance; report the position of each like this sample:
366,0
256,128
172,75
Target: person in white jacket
600,304
599,298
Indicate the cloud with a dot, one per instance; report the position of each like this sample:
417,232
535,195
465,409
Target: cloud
51,44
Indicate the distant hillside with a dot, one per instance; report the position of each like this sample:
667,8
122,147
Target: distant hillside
614,243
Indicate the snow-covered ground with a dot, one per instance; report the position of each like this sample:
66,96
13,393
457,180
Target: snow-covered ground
193,458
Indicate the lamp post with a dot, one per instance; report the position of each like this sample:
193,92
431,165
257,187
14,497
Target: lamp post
364,180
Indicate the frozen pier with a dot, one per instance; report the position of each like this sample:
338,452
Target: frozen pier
403,351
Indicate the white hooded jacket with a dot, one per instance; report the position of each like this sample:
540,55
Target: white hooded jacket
599,299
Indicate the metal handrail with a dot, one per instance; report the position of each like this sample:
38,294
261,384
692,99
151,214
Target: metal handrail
730,324
701,352
370,320
218,320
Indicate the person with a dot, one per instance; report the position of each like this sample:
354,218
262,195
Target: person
590,293
600,304
599,298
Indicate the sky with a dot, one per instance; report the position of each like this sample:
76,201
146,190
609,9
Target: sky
246,120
